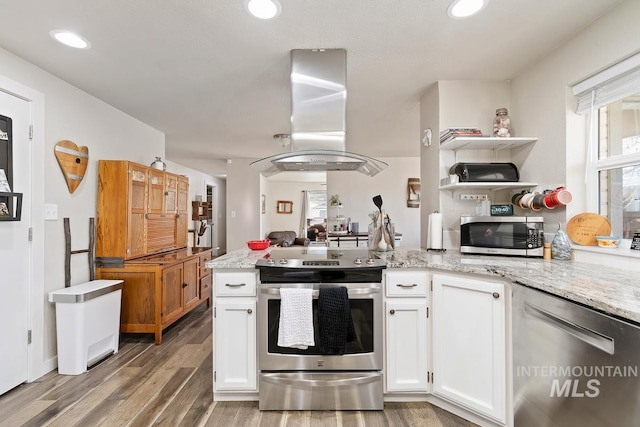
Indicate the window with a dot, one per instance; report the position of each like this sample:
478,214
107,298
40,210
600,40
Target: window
611,101
618,165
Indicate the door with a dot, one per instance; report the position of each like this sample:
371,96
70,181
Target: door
182,220
235,334
469,343
138,200
406,323
15,252
172,301
156,192
190,279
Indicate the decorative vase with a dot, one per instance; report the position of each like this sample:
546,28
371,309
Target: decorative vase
159,164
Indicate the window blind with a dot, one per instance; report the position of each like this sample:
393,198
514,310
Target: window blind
611,85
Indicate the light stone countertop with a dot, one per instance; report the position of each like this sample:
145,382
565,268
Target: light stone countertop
607,289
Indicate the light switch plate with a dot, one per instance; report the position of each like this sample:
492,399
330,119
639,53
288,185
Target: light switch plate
50,212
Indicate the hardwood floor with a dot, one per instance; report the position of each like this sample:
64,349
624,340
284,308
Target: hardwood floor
171,385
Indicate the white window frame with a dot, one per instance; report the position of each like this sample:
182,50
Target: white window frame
608,86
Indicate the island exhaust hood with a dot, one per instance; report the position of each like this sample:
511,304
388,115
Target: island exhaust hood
318,118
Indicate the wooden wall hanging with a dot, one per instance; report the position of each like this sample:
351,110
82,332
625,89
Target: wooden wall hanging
73,161
413,193
284,207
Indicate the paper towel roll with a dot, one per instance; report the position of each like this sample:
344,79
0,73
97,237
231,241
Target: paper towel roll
434,238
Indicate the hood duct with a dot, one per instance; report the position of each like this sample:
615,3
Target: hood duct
318,118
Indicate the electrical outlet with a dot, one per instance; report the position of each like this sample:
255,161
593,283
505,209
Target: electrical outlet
473,197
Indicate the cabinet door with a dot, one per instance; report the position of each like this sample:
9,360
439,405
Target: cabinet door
182,219
406,323
235,346
171,193
469,350
138,200
156,192
190,279
172,295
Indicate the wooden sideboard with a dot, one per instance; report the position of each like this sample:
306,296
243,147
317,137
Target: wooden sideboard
160,289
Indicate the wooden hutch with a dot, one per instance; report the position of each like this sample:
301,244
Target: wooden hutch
142,237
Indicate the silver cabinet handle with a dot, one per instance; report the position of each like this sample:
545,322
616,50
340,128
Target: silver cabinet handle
249,311
392,311
496,295
413,285
275,379
587,335
235,285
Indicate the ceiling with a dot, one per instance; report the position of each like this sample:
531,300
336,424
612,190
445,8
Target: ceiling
215,80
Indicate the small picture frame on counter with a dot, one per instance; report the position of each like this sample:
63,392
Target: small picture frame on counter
635,242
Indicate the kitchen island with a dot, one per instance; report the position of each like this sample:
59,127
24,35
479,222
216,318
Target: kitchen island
610,290
450,324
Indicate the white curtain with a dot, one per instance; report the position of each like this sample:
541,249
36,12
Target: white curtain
303,213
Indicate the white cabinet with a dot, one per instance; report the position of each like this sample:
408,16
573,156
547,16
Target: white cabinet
469,343
406,331
235,337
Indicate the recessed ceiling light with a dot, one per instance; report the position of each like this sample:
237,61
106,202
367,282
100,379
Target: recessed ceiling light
465,8
70,39
263,9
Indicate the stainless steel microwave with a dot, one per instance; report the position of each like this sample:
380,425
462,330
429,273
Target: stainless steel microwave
502,235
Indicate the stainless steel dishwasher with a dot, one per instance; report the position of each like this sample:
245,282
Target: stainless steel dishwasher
572,366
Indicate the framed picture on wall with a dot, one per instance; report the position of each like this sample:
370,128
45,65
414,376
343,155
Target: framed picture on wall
263,204
284,207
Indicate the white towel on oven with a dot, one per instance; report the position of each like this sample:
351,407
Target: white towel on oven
296,318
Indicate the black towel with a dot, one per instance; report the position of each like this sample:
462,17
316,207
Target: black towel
334,320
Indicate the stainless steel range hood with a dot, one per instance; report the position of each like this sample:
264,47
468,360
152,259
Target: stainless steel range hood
318,118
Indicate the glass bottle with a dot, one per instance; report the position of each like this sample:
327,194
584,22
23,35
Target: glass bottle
502,123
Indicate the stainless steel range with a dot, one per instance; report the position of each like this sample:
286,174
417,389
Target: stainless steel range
317,378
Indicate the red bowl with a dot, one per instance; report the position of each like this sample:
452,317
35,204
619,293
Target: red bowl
257,245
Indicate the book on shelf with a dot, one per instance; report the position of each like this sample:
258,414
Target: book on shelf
450,133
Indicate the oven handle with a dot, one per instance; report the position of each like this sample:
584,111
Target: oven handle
275,379
351,291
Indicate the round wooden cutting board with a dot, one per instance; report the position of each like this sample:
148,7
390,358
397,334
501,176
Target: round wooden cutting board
583,228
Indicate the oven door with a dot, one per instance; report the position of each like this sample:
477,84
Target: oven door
362,354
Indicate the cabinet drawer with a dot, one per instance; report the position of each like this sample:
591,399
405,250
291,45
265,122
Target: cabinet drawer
205,287
235,283
407,283
204,258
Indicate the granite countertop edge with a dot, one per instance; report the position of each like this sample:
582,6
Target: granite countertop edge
607,289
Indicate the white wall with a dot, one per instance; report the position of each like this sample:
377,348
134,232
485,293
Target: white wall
543,106
289,191
357,191
243,204
450,104
109,133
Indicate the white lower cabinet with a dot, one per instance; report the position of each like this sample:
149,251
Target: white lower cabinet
406,331
406,345
469,343
235,332
235,335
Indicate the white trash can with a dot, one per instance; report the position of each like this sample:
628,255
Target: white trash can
88,323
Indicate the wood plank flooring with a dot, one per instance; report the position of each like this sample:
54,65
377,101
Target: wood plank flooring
171,385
